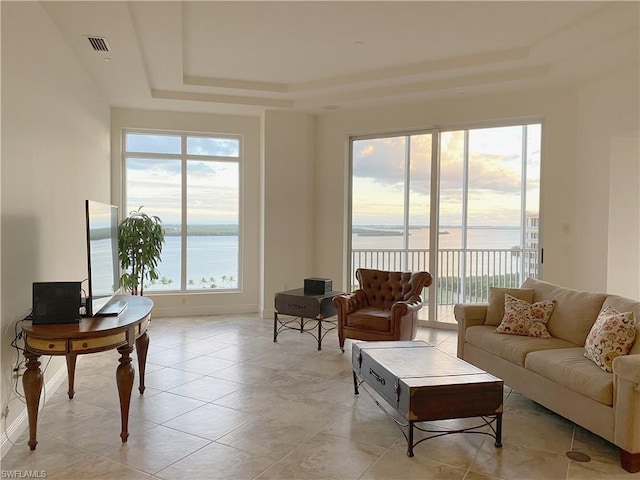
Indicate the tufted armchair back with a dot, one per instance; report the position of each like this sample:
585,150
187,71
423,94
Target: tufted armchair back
383,288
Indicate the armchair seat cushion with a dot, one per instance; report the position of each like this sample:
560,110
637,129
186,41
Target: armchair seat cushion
370,318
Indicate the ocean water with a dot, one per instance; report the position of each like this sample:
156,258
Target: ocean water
217,256
448,238
209,257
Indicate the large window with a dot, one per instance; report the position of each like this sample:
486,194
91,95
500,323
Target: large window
462,204
192,182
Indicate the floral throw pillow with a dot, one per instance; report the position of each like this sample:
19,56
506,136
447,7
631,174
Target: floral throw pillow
524,318
611,336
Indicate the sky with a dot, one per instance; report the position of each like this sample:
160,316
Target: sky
494,177
156,183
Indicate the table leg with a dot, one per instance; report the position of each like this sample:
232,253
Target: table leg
32,385
124,379
355,383
71,374
410,440
275,323
142,346
498,430
319,334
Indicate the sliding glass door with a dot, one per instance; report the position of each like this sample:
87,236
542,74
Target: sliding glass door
478,188
391,202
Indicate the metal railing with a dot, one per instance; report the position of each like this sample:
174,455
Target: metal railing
463,276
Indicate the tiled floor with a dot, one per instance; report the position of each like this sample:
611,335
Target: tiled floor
223,401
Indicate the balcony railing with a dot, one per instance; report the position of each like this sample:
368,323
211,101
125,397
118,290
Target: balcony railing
463,276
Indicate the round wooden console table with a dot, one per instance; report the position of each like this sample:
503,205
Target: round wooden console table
90,335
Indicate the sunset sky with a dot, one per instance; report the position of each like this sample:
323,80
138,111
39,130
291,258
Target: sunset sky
494,173
494,177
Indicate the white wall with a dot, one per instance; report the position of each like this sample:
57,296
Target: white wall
556,108
623,258
55,154
249,127
607,256
288,194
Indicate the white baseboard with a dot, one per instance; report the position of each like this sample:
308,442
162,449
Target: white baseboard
186,311
21,422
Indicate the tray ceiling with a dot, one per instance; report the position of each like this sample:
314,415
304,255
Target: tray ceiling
244,57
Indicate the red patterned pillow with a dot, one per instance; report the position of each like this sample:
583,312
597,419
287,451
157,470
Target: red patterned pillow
524,318
611,336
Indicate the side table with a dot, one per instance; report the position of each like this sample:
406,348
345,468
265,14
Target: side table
306,309
92,334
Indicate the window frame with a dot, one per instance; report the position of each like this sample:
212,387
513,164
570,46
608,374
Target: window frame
184,157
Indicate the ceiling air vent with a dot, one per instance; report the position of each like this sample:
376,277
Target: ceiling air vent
99,44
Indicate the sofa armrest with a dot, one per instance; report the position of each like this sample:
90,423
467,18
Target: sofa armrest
470,314
467,315
628,368
626,402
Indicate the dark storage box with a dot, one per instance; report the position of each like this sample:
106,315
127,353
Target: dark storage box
300,304
317,286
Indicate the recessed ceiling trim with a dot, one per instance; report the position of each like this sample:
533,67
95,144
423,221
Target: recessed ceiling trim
443,84
213,98
233,83
353,80
416,69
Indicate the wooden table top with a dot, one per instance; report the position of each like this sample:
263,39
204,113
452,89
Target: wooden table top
138,309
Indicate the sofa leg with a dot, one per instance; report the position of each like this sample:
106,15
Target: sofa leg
630,461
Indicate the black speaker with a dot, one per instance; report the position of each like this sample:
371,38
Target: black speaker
56,302
317,286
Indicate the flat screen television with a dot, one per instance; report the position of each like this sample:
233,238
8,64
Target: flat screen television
102,258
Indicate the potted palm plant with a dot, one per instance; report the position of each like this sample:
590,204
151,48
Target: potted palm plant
140,241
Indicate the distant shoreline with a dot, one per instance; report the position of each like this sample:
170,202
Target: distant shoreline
397,231
361,231
202,231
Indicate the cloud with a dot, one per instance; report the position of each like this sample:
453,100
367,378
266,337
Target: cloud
494,175
153,143
215,147
157,143
383,160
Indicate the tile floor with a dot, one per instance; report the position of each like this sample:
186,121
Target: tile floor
223,401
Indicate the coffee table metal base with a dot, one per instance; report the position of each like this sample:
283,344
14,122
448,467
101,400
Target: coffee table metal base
494,422
421,383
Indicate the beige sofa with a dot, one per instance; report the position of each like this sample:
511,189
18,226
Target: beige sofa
554,371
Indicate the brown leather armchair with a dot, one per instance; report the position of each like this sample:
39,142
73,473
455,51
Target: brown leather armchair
385,307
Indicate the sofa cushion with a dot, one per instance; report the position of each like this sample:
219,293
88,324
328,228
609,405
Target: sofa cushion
495,310
611,336
625,305
524,318
575,311
569,368
513,348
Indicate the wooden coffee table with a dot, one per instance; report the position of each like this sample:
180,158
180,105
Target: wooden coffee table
422,383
